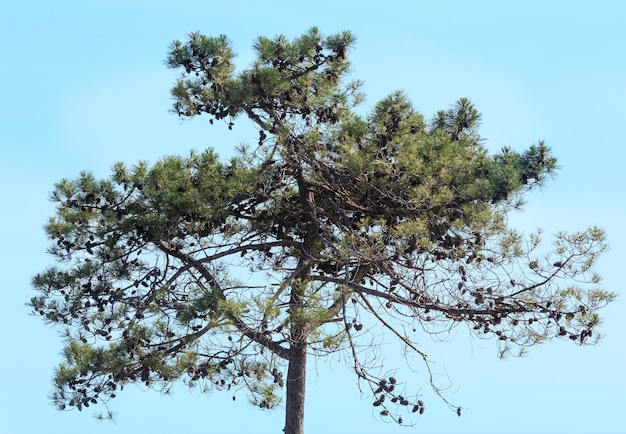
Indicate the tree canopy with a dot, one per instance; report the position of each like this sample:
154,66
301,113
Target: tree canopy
329,228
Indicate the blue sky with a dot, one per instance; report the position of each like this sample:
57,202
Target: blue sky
83,85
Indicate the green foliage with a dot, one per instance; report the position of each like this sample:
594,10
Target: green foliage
337,219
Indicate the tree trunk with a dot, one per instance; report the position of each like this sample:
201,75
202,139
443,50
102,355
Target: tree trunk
296,381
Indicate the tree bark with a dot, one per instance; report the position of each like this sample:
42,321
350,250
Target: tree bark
296,382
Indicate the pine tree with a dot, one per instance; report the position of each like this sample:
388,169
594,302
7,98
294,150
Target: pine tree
331,227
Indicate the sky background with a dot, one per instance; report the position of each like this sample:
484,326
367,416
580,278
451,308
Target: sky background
83,85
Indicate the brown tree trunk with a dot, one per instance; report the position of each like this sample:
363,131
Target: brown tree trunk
296,374
296,381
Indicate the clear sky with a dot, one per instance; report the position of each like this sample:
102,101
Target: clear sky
83,85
